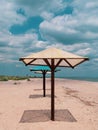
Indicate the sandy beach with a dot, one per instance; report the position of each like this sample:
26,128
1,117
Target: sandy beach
23,107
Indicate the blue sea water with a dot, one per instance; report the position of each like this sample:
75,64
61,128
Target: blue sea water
92,79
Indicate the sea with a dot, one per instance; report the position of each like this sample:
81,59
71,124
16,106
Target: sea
92,79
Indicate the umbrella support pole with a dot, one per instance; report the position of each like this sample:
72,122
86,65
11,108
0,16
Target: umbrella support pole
44,87
52,91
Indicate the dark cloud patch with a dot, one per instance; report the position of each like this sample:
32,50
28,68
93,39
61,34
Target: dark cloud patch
65,37
3,44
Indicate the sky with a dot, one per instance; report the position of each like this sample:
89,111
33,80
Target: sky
28,26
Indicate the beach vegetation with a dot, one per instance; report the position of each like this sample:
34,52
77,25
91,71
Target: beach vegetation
6,78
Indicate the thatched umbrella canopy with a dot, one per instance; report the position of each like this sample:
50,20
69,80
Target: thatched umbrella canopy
53,58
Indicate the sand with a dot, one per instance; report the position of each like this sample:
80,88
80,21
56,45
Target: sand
23,107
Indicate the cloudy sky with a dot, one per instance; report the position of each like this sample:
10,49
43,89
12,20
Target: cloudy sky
28,26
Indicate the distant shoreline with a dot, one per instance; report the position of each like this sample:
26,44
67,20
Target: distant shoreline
6,78
92,79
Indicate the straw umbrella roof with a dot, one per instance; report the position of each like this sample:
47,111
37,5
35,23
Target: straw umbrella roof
66,59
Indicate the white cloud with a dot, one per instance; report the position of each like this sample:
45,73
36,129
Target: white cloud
80,26
73,32
8,15
14,46
17,40
47,15
84,51
96,59
41,44
37,7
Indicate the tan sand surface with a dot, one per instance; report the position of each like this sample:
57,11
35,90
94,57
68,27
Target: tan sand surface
23,107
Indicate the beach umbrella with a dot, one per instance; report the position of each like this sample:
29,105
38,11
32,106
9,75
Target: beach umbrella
43,70
53,58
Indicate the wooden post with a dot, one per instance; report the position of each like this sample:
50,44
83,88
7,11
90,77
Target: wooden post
44,82
52,91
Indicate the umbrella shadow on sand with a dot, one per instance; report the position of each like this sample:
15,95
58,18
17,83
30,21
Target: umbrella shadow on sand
31,116
39,96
